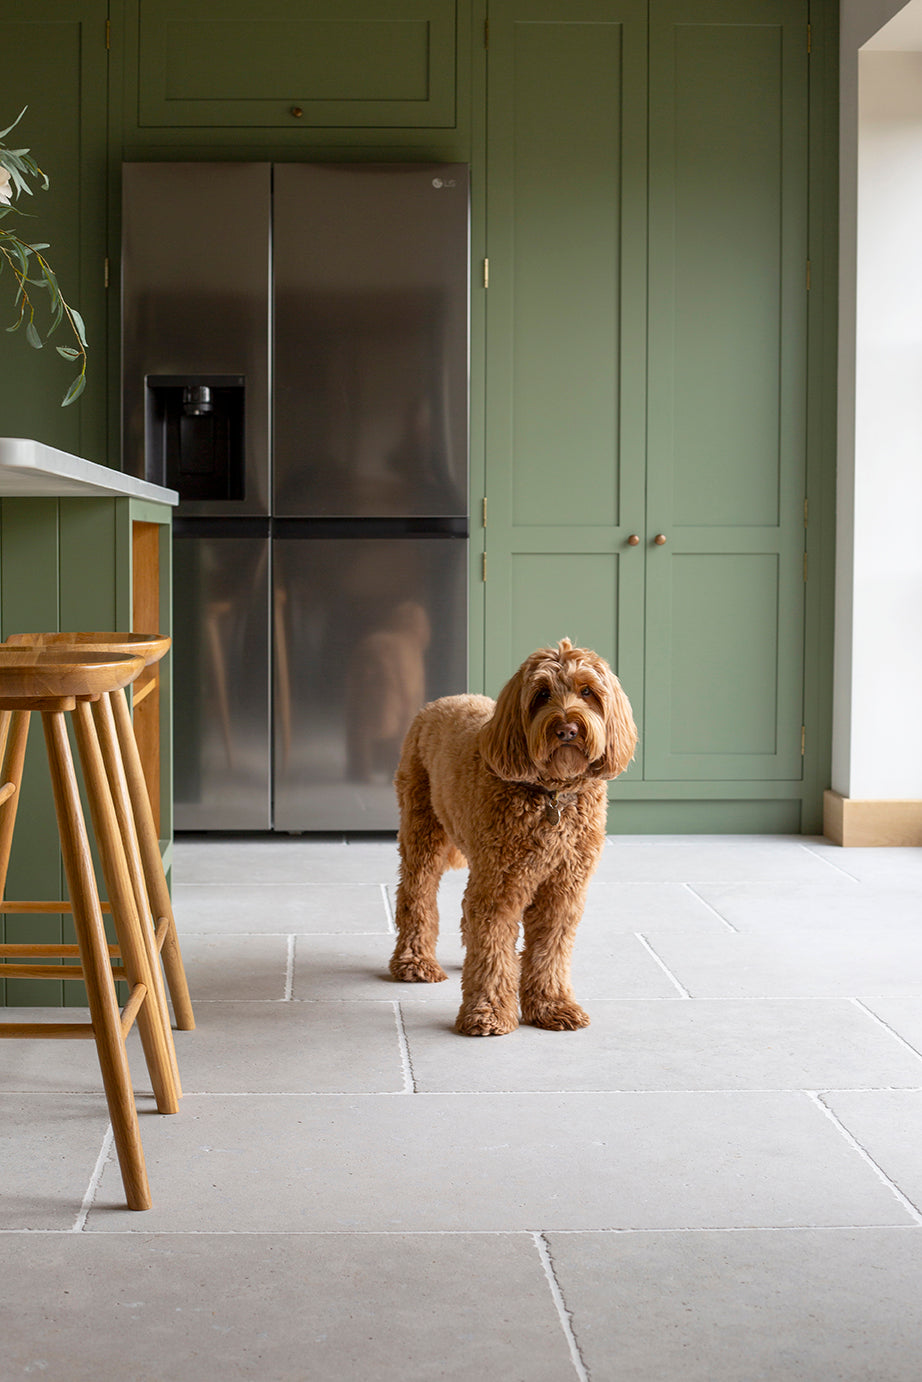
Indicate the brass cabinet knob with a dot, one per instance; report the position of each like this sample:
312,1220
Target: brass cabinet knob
633,540
297,111
660,539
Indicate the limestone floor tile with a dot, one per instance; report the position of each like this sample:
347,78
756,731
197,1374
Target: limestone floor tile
696,859
736,1307
356,967
640,906
887,1124
215,910
806,962
63,1067
300,1048
509,1162
902,1015
723,1045
276,861
49,1146
870,909
888,866
242,967
281,1308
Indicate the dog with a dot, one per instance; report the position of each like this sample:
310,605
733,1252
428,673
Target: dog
516,790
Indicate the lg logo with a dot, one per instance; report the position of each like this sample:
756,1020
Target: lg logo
444,182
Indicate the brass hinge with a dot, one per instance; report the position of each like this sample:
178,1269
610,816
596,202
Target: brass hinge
484,512
809,38
486,33
805,566
106,273
486,273
108,35
483,567
803,740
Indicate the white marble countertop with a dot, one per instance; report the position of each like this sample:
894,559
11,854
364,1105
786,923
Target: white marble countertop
30,469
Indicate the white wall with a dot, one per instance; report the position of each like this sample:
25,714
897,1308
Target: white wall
877,728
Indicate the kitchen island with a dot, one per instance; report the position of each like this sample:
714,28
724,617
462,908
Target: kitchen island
82,547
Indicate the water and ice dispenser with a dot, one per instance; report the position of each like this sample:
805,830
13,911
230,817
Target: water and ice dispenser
195,434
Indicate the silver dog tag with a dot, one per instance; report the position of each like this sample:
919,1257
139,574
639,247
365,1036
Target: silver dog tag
552,812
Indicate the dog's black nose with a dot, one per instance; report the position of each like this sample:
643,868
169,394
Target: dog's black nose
567,731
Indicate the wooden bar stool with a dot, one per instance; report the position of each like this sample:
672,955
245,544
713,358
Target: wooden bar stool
112,710
55,684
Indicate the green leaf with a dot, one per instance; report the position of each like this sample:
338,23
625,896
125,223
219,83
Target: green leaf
68,352
32,336
78,326
4,133
75,390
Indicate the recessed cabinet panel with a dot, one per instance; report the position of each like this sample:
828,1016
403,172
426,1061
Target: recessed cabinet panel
566,256
318,62
729,228
566,595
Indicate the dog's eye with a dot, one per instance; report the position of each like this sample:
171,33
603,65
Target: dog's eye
585,691
540,698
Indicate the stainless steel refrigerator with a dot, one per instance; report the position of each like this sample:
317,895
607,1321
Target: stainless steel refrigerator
295,364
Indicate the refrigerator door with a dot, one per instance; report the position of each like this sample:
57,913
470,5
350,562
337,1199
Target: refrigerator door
371,339
195,308
366,631
221,675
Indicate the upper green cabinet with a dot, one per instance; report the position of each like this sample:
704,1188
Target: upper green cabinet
343,63
647,212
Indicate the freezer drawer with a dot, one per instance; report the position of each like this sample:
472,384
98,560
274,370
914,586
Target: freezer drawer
221,681
366,631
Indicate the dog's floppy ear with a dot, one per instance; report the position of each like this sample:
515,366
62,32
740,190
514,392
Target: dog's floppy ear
620,730
503,745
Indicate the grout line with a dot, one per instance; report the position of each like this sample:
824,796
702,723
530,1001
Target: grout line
391,927
95,1178
891,1031
563,1314
406,1063
460,1232
711,908
289,970
817,1099
668,972
830,863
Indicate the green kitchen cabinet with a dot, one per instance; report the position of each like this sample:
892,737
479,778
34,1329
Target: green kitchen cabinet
647,216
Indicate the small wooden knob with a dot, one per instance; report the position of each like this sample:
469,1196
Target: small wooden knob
633,540
297,112
660,539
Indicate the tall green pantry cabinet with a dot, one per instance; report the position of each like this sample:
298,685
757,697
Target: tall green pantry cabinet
647,382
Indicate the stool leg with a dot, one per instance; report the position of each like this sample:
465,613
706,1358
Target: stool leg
152,861
124,911
112,758
94,954
16,728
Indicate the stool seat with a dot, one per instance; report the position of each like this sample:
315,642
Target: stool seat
40,674
151,646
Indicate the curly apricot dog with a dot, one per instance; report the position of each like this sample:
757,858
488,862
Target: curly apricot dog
517,790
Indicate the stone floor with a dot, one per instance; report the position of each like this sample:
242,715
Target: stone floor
719,1179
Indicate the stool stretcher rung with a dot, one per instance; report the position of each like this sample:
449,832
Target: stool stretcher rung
17,971
6,791
61,951
32,906
132,1007
48,1031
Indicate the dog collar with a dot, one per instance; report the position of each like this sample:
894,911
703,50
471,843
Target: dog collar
556,798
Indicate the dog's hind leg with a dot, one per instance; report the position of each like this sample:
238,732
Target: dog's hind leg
549,928
425,854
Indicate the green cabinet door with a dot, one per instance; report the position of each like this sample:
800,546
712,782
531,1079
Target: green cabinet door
646,377
726,390
566,241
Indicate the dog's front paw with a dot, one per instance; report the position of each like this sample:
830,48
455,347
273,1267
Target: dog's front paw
485,1019
555,1014
415,969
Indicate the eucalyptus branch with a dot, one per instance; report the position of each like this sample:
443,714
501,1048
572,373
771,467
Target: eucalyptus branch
16,167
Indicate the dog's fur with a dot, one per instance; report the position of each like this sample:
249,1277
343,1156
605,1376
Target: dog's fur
517,790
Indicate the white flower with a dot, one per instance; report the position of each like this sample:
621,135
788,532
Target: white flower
6,195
